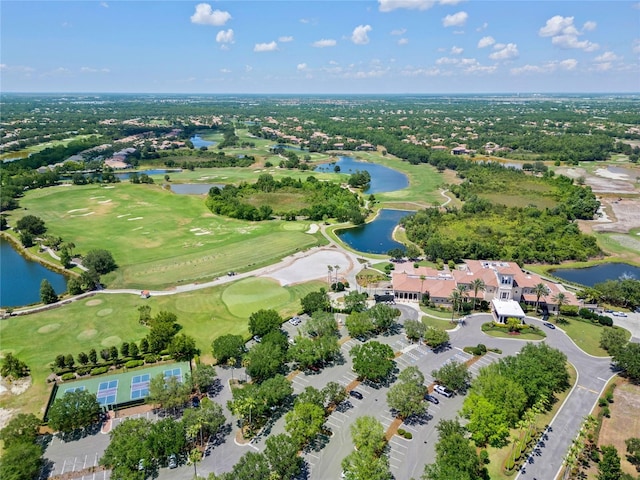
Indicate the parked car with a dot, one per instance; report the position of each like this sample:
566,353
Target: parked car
442,390
141,464
172,461
295,321
619,314
356,394
432,399
549,325
195,401
257,338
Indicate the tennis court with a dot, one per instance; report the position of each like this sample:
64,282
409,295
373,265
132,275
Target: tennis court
119,388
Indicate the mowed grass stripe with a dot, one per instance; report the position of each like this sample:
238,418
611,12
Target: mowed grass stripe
248,295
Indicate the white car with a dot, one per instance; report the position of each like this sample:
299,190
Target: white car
619,314
295,321
442,390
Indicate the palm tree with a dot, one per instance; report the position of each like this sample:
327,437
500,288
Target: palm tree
335,269
231,362
560,299
455,298
477,285
540,290
422,279
330,269
245,364
463,295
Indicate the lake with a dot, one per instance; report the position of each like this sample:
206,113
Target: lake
599,273
153,171
198,142
375,236
20,278
383,179
194,188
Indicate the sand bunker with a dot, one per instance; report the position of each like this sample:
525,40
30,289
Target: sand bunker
93,303
203,233
52,327
95,198
87,334
104,201
134,218
125,215
77,210
311,267
313,228
83,214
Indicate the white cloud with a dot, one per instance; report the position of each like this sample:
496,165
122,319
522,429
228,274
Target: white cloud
225,70
568,65
486,42
359,35
456,50
571,41
506,52
482,27
403,41
450,2
557,25
17,69
607,57
455,20
265,47
390,5
635,47
324,43
302,66
564,33
285,39
399,31
205,15
225,36
94,70
248,68
421,72
104,4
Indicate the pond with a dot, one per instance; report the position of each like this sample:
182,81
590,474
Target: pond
375,236
199,142
383,179
599,273
20,278
285,147
153,171
194,188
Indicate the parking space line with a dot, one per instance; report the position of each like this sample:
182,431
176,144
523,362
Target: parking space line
396,443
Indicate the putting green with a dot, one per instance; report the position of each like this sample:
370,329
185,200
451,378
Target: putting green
251,294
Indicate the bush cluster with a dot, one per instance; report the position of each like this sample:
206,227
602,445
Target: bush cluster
405,434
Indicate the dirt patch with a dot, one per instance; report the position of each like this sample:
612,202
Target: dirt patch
5,416
112,341
87,334
104,312
626,212
624,422
93,303
52,327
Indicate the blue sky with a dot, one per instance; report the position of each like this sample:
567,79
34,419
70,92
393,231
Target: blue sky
307,46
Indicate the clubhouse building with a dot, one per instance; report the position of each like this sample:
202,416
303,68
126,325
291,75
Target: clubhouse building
506,286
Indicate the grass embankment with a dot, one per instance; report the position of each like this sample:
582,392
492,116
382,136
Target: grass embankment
586,335
106,320
498,456
159,239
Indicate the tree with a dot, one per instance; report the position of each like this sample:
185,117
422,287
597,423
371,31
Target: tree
251,466
355,302
23,428
414,329
167,437
100,261
456,458
368,436
282,453
265,361
477,285
315,301
47,293
168,393
274,391
93,356
455,298
127,447
65,258
83,358
487,421
413,252
628,359
227,346
203,377
321,324
12,367
540,290
334,394
31,224
74,286
383,316
144,314
304,353
359,324
304,422
454,375
396,253
208,419
633,451
560,300
183,348
78,409
359,465
609,467
311,395
21,461
372,360
264,321
124,350
407,394
612,339
164,327
435,337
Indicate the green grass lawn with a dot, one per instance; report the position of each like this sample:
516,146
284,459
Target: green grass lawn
24,153
441,324
586,335
158,238
107,319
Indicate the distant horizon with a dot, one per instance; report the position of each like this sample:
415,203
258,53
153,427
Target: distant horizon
337,94
347,47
